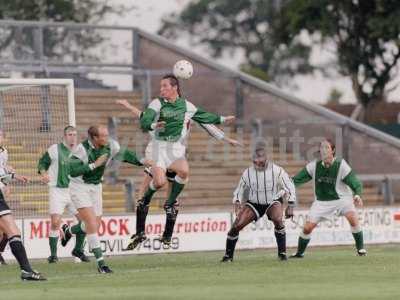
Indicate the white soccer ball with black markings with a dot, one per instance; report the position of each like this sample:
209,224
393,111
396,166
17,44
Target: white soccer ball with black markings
183,69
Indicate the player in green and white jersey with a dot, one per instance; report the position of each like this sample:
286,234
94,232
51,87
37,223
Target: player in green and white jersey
168,119
142,209
336,190
54,168
86,187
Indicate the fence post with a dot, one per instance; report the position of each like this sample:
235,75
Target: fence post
129,195
257,128
239,104
114,164
146,89
1,110
387,186
346,142
135,55
38,43
45,103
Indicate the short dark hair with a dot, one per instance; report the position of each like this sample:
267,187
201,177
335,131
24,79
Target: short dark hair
69,128
260,149
93,131
174,81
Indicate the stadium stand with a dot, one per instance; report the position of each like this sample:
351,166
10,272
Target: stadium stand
215,167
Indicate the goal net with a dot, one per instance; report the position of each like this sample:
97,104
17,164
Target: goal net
33,113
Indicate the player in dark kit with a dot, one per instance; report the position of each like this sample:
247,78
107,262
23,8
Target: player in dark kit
9,227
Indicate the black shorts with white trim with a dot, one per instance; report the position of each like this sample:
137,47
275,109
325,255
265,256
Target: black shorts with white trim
4,208
261,209
169,174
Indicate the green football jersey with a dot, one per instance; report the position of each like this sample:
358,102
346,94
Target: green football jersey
86,153
177,116
335,182
56,162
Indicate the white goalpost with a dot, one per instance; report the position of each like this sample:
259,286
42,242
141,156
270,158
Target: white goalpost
33,114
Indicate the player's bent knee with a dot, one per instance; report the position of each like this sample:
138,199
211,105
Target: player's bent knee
91,226
277,218
278,224
352,219
233,232
55,223
308,228
11,231
55,226
159,183
239,224
184,174
8,225
280,228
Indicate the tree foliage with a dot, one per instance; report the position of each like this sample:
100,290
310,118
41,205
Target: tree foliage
20,44
366,35
248,25
273,36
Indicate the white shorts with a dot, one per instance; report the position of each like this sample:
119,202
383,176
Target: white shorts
164,154
59,200
322,210
87,195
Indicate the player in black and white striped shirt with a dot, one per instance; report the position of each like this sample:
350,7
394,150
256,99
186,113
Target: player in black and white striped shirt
266,185
7,222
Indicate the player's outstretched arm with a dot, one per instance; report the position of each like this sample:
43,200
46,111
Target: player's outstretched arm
239,193
356,186
354,183
301,177
43,166
134,110
10,176
130,157
21,178
78,167
203,117
148,120
287,192
219,134
350,179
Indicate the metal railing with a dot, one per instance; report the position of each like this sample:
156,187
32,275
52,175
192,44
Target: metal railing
386,182
39,63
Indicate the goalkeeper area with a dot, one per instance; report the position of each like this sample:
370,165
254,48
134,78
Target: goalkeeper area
325,273
33,114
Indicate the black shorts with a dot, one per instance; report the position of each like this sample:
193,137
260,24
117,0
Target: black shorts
169,174
261,209
4,208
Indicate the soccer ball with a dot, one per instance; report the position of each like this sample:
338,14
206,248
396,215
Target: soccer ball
183,69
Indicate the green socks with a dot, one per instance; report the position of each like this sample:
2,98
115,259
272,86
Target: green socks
80,235
177,188
302,244
149,194
77,228
53,240
80,241
99,256
358,237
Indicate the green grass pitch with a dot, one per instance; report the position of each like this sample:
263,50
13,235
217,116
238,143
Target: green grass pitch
325,273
